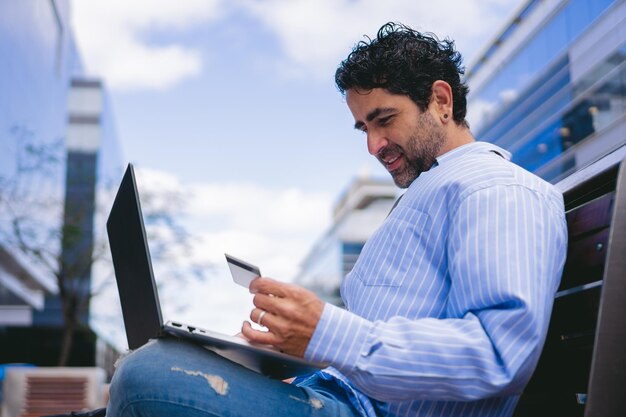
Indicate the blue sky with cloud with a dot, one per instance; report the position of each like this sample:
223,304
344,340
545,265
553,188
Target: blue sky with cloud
234,102
217,90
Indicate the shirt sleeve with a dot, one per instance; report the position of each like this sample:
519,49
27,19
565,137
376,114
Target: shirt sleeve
505,251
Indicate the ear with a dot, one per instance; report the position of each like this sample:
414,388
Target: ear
441,101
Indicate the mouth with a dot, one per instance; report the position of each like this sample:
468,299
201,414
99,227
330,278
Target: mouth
392,163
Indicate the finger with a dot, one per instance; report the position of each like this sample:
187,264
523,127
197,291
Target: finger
259,316
257,336
249,285
278,306
268,320
271,304
262,285
241,336
277,325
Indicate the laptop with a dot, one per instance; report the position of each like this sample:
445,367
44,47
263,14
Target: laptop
140,300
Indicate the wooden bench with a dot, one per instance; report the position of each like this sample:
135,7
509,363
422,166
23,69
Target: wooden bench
582,370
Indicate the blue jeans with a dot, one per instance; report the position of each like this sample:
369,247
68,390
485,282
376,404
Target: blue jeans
169,377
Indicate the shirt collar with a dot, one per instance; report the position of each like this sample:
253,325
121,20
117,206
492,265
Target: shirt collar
473,147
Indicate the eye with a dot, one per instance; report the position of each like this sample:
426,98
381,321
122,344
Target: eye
384,121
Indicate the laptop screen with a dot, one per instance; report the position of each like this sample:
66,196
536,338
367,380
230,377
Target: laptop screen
131,261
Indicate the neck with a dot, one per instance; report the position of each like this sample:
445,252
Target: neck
456,136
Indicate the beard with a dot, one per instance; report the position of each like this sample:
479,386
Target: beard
420,153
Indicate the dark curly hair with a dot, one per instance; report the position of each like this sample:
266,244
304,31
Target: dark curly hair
405,61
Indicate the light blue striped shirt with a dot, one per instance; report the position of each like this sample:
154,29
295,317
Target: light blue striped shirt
449,302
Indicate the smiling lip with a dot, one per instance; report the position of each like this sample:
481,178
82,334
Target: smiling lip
393,163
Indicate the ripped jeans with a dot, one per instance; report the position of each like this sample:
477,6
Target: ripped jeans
169,377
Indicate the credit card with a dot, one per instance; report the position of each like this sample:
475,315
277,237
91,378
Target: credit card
243,273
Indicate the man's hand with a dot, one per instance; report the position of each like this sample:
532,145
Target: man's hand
291,315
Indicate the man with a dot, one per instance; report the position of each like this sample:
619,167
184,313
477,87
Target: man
449,302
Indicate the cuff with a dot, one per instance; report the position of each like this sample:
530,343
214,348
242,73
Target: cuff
339,338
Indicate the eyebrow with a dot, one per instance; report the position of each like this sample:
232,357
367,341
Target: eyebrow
374,114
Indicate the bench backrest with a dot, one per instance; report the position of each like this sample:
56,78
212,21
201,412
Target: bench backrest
582,370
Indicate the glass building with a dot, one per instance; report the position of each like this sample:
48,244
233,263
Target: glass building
551,87
58,157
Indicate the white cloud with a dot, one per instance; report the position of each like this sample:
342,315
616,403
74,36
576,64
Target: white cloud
272,227
316,35
111,35
254,208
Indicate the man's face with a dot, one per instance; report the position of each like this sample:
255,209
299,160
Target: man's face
402,137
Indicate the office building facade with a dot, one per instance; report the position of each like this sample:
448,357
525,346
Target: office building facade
58,154
551,86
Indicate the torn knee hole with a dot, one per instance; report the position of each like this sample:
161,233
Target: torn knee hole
215,381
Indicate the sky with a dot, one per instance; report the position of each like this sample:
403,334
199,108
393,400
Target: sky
233,104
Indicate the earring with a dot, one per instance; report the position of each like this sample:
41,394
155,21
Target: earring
445,115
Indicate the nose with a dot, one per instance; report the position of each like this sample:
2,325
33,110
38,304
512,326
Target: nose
375,142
